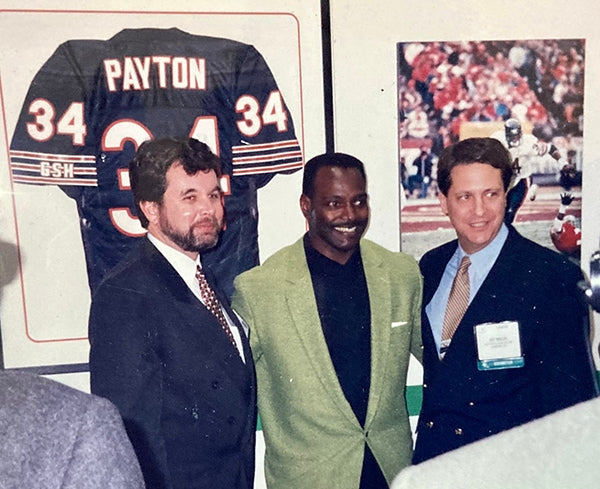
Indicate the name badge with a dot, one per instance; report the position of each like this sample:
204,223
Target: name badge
499,346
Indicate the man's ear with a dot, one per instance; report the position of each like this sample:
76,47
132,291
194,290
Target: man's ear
305,206
443,203
150,210
224,212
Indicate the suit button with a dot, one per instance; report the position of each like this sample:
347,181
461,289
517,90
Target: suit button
429,424
458,431
231,420
215,384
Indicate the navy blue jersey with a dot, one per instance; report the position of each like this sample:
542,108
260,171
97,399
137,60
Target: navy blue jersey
95,101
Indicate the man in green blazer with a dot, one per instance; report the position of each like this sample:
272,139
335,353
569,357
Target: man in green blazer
333,320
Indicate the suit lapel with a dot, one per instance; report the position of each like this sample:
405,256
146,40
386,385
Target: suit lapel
432,268
194,314
302,308
381,322
233,316
435,270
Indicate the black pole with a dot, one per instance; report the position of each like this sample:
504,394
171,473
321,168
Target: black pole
327,75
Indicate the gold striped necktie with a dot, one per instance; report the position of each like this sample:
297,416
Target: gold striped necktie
458,301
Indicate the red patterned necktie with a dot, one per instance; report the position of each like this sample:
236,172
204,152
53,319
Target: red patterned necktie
458,301
212,303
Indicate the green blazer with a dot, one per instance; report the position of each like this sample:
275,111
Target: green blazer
313,439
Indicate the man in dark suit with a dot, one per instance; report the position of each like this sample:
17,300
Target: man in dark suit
521,350
176,363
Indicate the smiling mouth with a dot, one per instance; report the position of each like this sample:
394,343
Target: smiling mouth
479,224
345,229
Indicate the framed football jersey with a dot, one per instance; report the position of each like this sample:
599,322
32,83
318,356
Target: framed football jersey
94,101
80,91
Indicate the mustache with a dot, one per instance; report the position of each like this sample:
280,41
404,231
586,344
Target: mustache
206,220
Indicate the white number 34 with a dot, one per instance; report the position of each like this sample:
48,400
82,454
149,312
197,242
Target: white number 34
72,121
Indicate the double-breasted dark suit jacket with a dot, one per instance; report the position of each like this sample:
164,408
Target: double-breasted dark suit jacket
535,287
187,399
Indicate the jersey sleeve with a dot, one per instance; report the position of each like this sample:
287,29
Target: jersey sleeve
268,143
48,146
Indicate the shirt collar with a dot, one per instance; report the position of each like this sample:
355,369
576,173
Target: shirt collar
486,257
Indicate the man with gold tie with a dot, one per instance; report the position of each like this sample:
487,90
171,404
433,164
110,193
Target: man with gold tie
505,330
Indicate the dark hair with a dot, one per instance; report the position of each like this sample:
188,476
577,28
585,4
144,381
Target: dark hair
473,150
340,160
148,169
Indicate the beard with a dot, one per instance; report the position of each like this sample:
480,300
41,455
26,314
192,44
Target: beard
194,240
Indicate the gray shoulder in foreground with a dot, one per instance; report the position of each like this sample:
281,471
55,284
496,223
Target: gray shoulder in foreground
56,436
